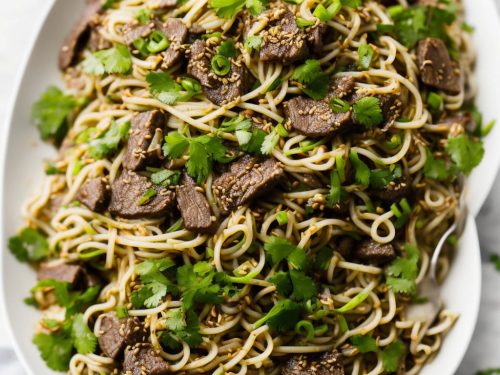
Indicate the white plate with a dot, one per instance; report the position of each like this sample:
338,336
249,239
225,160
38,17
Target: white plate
23,172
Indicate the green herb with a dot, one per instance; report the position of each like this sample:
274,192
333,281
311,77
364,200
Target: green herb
491,371
254,145
367,111
166,90
121,312
435,102
227,49
335,194
51,169
282,317
339,106
362,172
175,226
380,178
270,142
229,8
344,327
182,326
365,344
165,177
108,143
314,81
436,169
322,259
220,65
305,328
146,196
353,303
495,259
84,339
486,129
144,16
352,3
108,4
279,249
113,60
392,356
282,217
465,152
236,123
467,27
51,112
365,56
402,213
155,284
253,42
328,13
403,271
29,245
295,285
56,349
303,23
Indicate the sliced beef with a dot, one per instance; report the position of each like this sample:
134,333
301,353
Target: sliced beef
316,37
142,359
177,32
373,252
244,180
127,191
94,194
76,39
115,334
173,28
315,118
392,107
282,40
69,273
219,90
194,206
328,363
437,69
309,180
345,246
394,191
142,132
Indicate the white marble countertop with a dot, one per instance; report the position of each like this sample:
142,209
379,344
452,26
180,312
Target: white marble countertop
483,351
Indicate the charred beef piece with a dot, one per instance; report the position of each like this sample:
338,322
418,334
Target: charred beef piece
329,363
394,191
142,133
316,37
127,191
283,41
193,206
391,106
94,194
173,28
219,90
437,69
177,32
116,334
142,359
370,251
315,118
96,41
244,180
76,39
345,246
69,273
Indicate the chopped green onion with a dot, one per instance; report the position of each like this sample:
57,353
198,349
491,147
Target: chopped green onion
435,102
395,10
340,165
146,197
365,56
321,330
274,85
344,327
282,217
141,45
486,129
175,226
121,312
157,42
190,85
302,22
280,129
90,253
305,328
353,303
339,106
220,65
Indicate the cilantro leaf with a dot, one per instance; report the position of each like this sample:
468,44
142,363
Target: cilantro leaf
436,168
155,285
282,317
175,145
279,248
392,356
116,59
335,193
380,178
253,42
256,7
84,339
229,8
314,81
270,142
322,259
50,113
304,288
56,349
107,144
367,111
283,283
29,245
362,172
298,259
236,123
182,326
403,271
465,152
254,145
163,87
365,344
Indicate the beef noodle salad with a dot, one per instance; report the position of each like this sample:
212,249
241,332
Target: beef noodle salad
250,187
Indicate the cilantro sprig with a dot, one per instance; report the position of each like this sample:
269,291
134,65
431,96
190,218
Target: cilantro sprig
116,59
229,8
402,272
29,245
314,80
203,151
168,91
107,144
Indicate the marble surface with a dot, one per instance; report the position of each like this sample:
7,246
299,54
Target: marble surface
483,351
